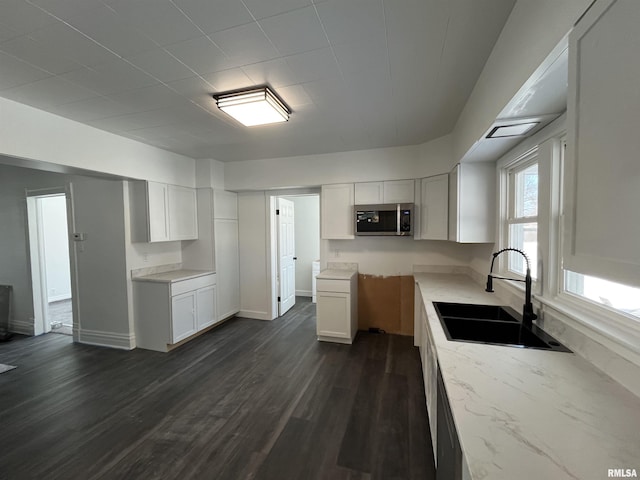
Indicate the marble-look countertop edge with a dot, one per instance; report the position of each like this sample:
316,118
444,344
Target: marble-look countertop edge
336,274
525,413
173,276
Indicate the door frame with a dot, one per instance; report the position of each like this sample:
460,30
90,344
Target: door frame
272,239
37,275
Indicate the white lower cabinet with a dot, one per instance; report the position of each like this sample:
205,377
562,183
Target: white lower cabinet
183,316
170,311
337,306
429,369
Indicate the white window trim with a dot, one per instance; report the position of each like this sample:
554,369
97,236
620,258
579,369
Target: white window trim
506,216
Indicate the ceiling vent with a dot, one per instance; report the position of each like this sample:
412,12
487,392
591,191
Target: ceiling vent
512,130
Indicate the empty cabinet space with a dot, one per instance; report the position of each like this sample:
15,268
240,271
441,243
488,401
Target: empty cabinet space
337,305
173,306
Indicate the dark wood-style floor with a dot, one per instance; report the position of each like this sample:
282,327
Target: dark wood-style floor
249,399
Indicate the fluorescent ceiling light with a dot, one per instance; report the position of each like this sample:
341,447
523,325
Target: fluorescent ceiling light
512,130
258,106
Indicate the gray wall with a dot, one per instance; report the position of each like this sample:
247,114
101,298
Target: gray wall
102,271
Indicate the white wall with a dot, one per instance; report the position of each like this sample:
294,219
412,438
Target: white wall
389,256
56,247
395,163
210,174
254,251
307,239
532,31
28,133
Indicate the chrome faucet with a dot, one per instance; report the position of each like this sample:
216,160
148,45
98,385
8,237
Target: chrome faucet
527,310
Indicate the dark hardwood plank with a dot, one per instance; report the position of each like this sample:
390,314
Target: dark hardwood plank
248,399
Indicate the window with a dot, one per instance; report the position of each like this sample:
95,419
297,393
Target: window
619,297
521,229
614,296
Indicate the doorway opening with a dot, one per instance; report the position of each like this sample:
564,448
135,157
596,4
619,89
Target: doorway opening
296,248
48,225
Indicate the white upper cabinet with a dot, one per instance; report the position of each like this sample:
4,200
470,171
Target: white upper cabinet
337,217
472,203
392,191
157,204
433,208
398,191
602,170
369,193
183,215
162,213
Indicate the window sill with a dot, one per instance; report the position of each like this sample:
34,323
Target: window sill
620,331
598,324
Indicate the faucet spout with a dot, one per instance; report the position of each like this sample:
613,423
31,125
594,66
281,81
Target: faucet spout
527,309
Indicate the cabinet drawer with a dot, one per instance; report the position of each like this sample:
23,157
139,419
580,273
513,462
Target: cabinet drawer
328,285
192,284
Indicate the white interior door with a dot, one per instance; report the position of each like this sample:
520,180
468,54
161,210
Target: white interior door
286,256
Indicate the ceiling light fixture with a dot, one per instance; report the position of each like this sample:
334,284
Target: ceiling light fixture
258,106
515,130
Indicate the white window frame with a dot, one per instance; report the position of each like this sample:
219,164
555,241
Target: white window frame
507,205
604,325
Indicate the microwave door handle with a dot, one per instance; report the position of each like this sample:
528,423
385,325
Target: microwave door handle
398,219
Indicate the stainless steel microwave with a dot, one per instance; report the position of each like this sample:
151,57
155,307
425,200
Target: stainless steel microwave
385,219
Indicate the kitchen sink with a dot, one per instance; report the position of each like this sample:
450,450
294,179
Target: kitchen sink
494,325
480,312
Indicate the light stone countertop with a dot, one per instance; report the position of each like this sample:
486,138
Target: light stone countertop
334,274
526,413
172,276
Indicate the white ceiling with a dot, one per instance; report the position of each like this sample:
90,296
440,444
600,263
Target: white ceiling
357,74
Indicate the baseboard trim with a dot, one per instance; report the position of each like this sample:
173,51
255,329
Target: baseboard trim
304,293
21,327
254,315
98,338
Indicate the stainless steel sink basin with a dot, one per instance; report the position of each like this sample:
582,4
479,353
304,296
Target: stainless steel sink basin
492,325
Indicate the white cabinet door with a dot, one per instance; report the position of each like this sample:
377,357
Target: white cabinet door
369,193
472,203
398,191
183,215
434,208
158,211
333,315
337,217
206,307
227,267
183,316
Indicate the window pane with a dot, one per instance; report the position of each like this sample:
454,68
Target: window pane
615,295
523,236
526,192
